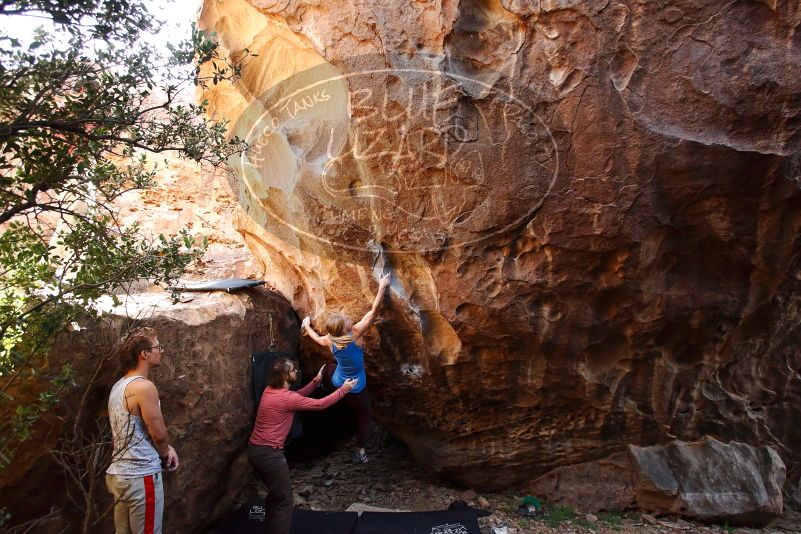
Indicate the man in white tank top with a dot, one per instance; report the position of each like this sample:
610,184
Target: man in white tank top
141,443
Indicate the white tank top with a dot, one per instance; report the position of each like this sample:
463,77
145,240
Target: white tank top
134,455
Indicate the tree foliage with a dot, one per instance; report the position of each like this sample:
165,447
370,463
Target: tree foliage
84,107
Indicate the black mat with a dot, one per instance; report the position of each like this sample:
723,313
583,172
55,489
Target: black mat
247,519
228,284
311,522
440,522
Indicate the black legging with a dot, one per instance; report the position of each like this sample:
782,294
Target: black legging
359,402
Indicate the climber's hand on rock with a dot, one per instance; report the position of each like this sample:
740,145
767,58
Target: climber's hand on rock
384,282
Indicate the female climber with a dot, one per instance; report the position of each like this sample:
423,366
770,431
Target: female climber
345,340
266,445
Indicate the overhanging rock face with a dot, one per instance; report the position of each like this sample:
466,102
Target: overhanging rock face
590,209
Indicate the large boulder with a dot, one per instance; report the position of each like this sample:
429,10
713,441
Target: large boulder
591,211
710,481
706,481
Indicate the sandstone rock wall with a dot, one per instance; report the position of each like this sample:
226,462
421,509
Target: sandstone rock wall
591,211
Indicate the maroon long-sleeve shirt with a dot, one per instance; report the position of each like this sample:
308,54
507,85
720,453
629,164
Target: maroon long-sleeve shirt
277,409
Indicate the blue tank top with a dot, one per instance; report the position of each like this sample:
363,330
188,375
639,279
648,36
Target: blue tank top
350,364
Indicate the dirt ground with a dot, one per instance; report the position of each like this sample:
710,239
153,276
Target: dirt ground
393,480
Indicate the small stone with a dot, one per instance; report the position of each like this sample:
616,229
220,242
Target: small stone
328,482
365,498
648,519
468,495
484,503
592,518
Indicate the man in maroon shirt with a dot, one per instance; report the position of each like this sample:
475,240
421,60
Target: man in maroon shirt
266,446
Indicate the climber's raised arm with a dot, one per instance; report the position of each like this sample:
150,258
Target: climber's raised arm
320,340
362,326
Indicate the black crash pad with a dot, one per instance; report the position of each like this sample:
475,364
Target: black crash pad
438,522
311,522
249,519
228,284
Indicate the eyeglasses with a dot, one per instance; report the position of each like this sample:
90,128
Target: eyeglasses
158,347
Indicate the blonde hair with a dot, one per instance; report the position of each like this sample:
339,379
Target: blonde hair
335,326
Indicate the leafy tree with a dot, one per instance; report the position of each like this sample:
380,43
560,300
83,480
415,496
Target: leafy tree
84,106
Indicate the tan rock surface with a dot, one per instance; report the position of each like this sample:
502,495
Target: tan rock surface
590,210
198,199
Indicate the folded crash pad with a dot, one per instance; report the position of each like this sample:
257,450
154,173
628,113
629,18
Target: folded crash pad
228,284
249,519
311,522
439,522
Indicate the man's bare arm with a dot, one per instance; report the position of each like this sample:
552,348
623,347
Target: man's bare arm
147,398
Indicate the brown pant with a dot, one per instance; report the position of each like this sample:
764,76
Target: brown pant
270,464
